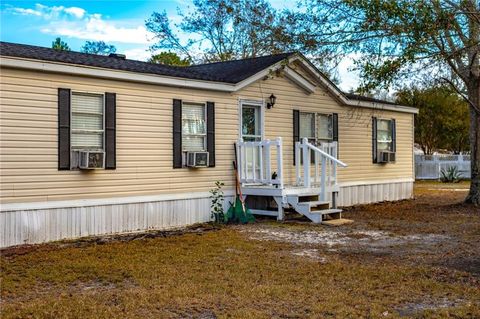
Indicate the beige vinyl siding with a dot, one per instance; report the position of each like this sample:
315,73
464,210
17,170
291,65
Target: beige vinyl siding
354,125
28,131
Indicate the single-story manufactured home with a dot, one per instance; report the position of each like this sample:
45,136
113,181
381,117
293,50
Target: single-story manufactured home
94,145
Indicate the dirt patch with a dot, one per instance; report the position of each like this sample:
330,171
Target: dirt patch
467,263
310,253
412,309
326,238
346,239
449,189
100,285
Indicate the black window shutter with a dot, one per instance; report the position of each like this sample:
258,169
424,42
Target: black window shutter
177,133
110,131
296,130
374,139
394,136
335,126
211,133
63,129
335,130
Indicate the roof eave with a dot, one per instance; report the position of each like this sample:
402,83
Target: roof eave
82,70
57,67
341,97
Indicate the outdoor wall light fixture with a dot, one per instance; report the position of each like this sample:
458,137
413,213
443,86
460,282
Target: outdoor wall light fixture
271,101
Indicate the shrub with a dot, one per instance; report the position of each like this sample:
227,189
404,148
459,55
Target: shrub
450,175
216,207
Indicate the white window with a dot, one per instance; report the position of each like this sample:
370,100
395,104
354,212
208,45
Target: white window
194,127
87,121
307,126
384,135
316,127
324,127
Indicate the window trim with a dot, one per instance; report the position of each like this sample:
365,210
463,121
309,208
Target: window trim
102,94
392,138
255,103
205,146
316,137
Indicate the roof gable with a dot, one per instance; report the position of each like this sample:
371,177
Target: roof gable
300,68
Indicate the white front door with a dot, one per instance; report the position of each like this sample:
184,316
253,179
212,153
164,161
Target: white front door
251,131
251,123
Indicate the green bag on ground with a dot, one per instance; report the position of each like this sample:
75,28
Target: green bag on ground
236,213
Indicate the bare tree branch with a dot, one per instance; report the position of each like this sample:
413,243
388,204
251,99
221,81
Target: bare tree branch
463,95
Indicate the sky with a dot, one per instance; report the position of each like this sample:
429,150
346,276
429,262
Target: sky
117,22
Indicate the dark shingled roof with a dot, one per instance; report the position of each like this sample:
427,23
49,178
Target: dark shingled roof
228,72
238,70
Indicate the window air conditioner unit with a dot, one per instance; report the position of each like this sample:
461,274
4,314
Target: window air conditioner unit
197,159
386,157
91,159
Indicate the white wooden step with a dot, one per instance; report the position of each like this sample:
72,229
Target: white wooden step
314,203
308,194
337,222
326,211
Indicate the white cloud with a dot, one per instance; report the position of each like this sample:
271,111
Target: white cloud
76,11
46,12
75,22
184,3
140,54
349,79
23,11
94,27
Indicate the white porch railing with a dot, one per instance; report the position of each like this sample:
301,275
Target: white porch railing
255,161
324,164
258,161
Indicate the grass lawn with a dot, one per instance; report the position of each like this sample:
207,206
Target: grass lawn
414,258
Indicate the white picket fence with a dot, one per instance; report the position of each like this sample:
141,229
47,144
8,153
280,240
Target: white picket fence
430,166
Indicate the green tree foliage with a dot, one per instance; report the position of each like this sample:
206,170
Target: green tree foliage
442,122
221,29
98,47
169,58
59,45
398,39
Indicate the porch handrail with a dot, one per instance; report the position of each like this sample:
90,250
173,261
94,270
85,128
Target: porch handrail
328,165
254,161
330,157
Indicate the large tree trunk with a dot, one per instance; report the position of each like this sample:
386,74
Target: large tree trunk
474,97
